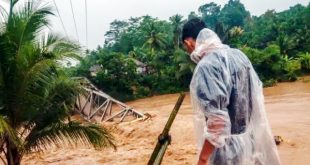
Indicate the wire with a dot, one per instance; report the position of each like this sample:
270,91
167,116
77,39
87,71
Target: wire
62,23
74,21
86,23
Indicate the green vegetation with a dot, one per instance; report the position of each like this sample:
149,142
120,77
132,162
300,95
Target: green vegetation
305,61
36,96
276,43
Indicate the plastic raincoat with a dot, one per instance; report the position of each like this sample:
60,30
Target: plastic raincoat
225,89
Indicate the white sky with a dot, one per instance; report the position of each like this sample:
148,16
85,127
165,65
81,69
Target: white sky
102,12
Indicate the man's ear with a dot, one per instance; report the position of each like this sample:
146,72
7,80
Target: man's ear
187,43
190,44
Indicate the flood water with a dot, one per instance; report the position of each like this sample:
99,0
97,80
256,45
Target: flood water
287,106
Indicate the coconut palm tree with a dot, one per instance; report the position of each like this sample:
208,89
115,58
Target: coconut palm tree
36,97
154,40
177,23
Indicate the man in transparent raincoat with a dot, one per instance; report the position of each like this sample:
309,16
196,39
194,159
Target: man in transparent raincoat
228,103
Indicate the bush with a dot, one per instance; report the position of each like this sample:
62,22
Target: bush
304,59
291,67
142,92
270,83
271,66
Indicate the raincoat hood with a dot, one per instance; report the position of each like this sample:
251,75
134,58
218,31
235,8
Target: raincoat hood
206,42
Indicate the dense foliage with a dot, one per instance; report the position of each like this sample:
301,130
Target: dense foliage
276,43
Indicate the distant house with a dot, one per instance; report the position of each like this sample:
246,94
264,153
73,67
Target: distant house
141,67
94,70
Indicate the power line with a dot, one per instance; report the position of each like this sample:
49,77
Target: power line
74,21
86,23
62,23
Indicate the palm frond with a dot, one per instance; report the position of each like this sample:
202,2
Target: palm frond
30,54
39,75
1,84
62,48
7,130
60,93
27,22
32,88
3,15
50,99
72,133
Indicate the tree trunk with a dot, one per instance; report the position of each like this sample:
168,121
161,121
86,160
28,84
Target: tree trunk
13,155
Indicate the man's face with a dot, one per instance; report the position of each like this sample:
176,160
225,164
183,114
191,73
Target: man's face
189,44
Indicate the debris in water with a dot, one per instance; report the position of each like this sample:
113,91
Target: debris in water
278,140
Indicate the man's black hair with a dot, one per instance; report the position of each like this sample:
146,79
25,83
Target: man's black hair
192,28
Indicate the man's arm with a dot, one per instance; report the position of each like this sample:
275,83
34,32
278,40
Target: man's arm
212,91
205,153
216,127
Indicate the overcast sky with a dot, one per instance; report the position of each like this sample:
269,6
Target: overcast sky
102,12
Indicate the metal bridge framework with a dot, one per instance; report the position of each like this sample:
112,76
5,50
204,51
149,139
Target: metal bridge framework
99,106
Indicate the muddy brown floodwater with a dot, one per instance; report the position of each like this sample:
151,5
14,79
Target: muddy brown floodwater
287,106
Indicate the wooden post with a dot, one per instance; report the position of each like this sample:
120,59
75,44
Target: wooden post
161,153
163,139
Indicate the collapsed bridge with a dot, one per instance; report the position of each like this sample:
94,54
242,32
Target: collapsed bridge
98,106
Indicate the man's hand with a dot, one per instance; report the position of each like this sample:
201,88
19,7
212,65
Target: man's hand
216,126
